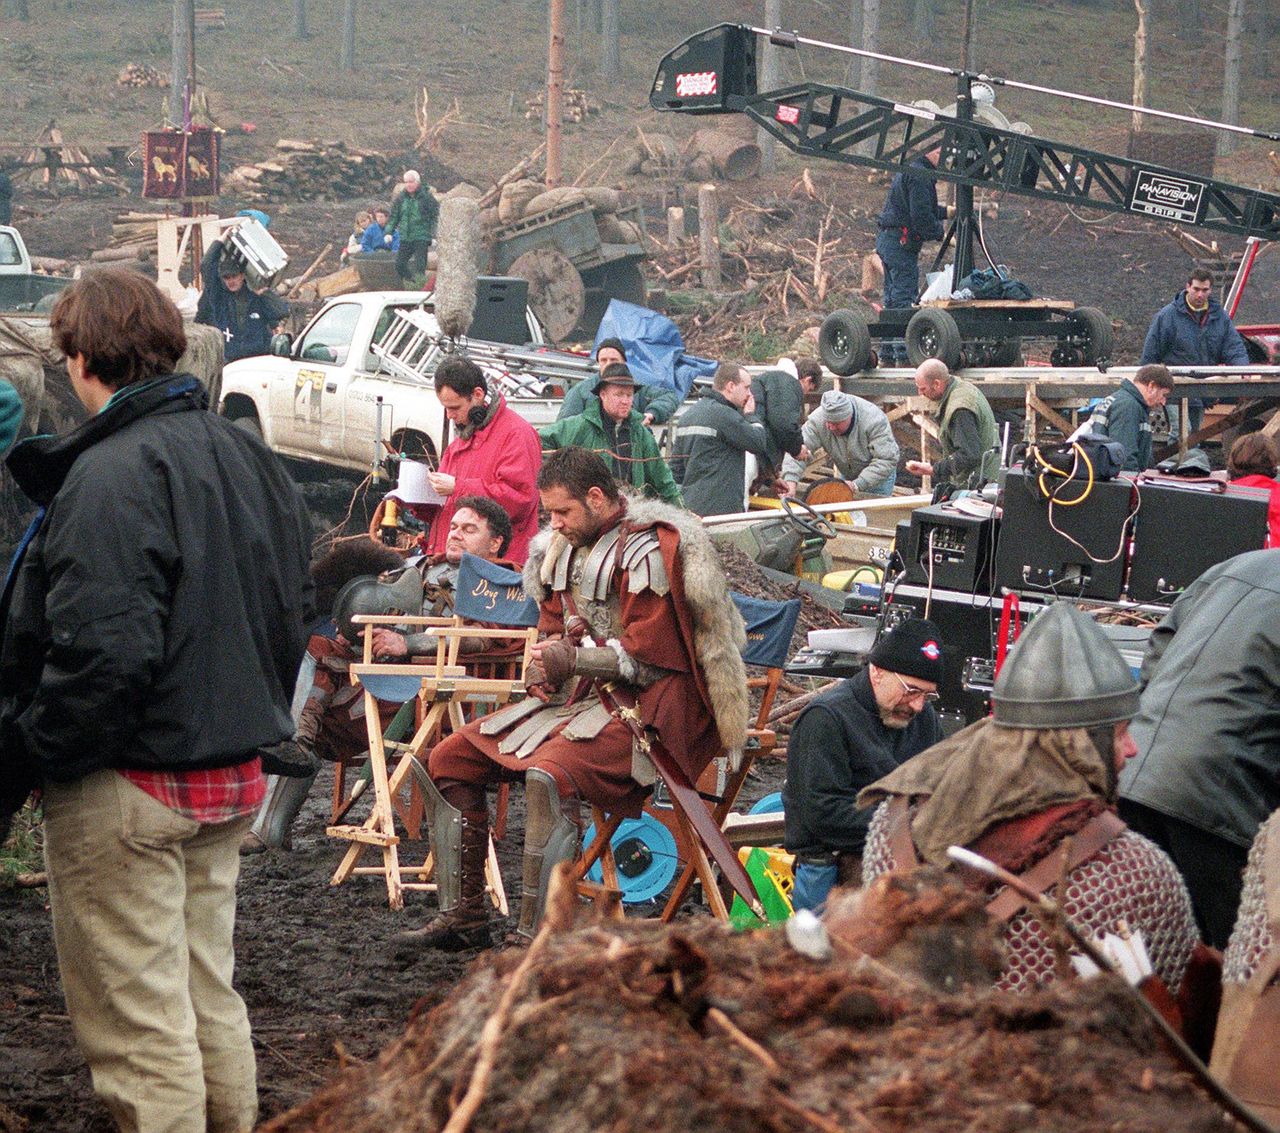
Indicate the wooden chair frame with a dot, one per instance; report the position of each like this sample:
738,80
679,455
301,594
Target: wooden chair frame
443,688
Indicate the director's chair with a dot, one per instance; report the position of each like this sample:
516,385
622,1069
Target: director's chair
443,690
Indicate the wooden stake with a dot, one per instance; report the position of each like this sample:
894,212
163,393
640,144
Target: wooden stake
709,236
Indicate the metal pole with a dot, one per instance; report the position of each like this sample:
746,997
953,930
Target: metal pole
790,39
555,92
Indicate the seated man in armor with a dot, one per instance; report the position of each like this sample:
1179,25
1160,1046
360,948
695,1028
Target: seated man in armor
631,593
331,724
1033,788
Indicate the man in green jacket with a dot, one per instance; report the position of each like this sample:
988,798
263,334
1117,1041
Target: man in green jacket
966,430
413,216
656,404
611,427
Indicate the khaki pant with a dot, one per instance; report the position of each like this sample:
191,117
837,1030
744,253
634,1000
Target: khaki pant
143,905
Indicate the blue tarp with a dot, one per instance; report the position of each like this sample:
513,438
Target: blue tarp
655,350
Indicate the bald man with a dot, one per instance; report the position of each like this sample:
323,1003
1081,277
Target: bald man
966,430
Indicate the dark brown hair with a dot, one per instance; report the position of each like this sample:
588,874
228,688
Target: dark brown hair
1254,454
726,373
577,471
460,375
127,330
1154,374
809,368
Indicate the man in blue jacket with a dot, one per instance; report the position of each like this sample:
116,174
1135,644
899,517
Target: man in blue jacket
911,215
246,317
1194,330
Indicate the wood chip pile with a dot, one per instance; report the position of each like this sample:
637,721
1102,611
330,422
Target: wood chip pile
311,171
641,1026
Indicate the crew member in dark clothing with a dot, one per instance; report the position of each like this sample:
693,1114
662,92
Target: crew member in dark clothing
849,737
1125,416
247,317
911,216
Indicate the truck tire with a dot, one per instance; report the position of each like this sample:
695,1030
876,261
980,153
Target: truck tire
933,333
844,342
1092,329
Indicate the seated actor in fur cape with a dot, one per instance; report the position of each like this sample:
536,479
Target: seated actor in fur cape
631,592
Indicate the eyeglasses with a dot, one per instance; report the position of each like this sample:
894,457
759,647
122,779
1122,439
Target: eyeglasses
910,692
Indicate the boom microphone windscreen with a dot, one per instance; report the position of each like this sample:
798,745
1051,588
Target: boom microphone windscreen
457,265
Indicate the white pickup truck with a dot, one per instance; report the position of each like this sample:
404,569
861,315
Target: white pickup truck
327,397
21,290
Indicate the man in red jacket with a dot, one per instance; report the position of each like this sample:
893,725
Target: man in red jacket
495,454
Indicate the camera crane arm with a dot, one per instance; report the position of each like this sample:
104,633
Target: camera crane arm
715,72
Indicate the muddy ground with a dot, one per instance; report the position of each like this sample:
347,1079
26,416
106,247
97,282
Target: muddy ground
314,965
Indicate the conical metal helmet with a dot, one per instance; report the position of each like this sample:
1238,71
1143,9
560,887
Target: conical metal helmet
1064,673
366,595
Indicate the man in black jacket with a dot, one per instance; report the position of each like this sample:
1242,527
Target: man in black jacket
153,623
849,737
246,317
719,443
911,216
1125,415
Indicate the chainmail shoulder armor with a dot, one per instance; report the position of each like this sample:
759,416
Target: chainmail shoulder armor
1130,880
1251,941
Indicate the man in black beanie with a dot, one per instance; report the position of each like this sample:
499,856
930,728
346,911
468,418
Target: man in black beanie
845,740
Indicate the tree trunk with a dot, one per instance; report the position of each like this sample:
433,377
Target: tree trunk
853,76
555,92
922,21
611,48
770,78
300,20
184,55
348,60
1231,75
966,47
870,42
1140,62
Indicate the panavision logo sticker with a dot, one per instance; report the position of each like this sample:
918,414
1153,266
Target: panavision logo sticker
1167,196
695,83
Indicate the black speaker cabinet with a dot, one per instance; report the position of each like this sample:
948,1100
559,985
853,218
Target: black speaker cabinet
1032,556
500,310
1182,532
952,544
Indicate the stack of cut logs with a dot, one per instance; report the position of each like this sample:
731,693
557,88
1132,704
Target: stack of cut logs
141,75
309,171
133,237
54,164
577,105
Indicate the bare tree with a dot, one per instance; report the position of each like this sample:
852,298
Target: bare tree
922,13
870,42
612,50
348,60
300,20
1231,75
1140,62
770,77
184,56
853,76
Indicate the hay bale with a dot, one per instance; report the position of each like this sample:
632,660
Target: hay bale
554,198
603,199
515,199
